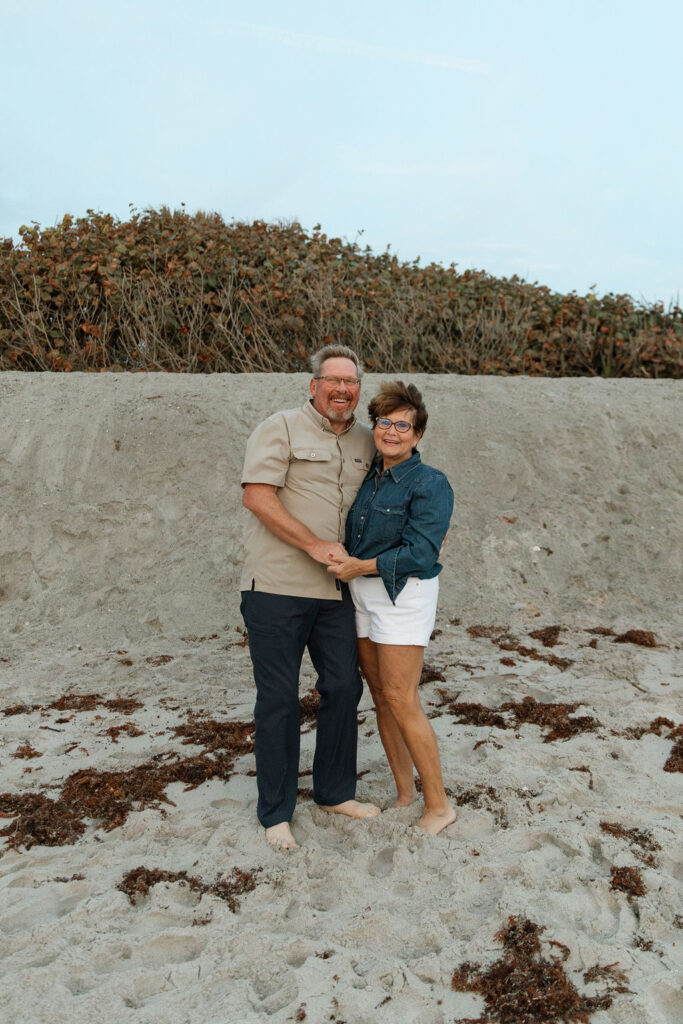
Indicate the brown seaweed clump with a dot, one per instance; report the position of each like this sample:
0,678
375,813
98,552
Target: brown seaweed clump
26,751
493,633
129,728
431,674
674,762
524,987
105,797
554,718
549,635
38,821
140,880
17,709
628,880
79,702
641,637
308,707
214,734
159,659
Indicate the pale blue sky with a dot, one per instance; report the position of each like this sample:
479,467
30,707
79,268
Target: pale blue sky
535,137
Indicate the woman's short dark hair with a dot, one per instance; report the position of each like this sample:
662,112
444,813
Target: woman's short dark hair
393,395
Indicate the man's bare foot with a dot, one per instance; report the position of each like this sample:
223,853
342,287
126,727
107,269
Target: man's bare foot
280,836
434,822
353,809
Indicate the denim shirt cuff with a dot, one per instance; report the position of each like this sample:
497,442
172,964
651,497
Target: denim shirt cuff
386,567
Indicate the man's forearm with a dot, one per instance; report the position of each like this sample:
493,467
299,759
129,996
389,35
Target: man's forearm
262,500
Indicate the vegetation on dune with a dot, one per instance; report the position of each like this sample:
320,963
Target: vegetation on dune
166,290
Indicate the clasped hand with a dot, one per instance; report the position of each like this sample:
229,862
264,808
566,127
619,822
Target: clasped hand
347,568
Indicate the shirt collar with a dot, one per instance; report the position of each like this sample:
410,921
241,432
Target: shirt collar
323,422
403,469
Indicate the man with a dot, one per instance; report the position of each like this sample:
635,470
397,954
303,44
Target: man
302,470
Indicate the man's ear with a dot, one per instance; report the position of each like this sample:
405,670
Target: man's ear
312,386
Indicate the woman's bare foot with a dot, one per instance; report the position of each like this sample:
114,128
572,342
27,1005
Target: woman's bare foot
353,809
435,821
280,836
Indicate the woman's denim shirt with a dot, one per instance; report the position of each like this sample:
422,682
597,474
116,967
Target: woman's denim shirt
401,517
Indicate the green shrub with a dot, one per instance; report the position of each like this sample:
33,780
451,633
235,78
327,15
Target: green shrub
166,290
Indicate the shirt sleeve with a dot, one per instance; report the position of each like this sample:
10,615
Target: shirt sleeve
431,507
266,459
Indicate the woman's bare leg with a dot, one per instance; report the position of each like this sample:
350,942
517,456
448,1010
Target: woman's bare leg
399,669
398,755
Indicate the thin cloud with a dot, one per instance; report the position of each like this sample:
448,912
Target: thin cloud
353,48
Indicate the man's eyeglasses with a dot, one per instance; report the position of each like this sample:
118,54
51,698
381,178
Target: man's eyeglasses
401,425
351,382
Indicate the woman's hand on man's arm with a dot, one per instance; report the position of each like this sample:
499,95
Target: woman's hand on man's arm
348,568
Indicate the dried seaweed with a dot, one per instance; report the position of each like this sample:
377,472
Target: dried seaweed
641,637
482,797
477,714
124,705
76,702
502,638
655,727
674,762
488,632
641,842
549,635
140,880
129,728
79,702
601,631
17,709
628,880
607,973
105,797
524,987
38,821
27,751
215,734
159,659
431,674
308,706
554,718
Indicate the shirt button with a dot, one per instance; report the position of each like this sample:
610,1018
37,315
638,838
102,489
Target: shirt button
312,455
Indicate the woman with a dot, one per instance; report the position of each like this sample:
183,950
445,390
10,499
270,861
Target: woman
394,533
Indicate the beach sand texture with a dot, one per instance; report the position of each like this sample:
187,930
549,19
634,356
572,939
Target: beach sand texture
554,688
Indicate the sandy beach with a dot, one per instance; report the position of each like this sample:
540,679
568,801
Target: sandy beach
136,883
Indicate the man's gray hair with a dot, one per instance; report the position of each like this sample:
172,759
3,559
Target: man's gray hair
334,352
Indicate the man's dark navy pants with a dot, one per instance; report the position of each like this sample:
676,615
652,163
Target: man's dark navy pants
280,628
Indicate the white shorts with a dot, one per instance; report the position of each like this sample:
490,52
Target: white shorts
409,622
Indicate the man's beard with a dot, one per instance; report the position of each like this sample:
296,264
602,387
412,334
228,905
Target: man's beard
336,416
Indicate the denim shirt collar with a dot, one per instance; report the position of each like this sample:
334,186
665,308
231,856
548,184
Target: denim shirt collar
402,470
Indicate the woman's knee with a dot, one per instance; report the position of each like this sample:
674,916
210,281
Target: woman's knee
399,701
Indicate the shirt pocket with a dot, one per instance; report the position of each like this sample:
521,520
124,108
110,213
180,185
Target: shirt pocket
311,454
389,521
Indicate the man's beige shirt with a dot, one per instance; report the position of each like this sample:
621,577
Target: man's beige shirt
317,473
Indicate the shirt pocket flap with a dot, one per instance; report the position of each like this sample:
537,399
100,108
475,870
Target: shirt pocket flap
391,509
311,454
